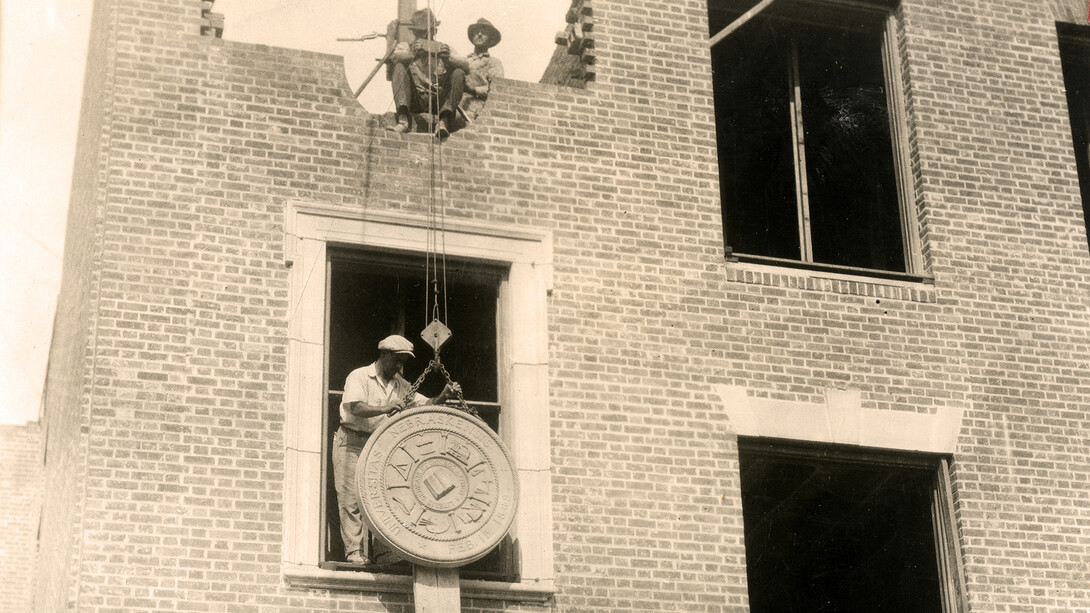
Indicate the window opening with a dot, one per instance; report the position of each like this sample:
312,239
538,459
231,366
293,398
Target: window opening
371,295
832,528
805,122
1075,58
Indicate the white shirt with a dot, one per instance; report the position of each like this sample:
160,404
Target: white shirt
364,385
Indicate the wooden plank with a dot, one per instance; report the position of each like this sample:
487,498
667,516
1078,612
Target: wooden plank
802,189
737,23
436,590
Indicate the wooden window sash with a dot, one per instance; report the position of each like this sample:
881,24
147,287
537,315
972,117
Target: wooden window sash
902,155
798,142
324,533
739,22
948,553
898,125
947,545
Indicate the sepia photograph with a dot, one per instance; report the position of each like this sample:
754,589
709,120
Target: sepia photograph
559,306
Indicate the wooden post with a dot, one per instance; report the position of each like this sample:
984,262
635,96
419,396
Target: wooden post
436,590
405,10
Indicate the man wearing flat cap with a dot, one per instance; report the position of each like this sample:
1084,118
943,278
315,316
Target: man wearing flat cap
371,393
482,66
426,76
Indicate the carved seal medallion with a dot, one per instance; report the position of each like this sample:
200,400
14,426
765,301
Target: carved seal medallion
437,486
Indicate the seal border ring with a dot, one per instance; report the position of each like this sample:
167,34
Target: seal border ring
445,559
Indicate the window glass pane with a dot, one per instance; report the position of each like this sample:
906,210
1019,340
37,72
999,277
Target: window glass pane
854,208
753,127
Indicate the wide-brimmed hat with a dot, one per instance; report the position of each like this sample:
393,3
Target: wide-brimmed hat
489,29
423,19
396,344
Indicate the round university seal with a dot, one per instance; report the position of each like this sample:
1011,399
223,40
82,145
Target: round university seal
437,486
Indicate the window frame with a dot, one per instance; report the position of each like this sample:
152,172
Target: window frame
841,419
898,133
310,230
407,266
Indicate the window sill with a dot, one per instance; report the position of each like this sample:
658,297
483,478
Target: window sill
775,272
300,576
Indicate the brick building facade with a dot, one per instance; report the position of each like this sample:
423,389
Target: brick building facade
20,502
656,371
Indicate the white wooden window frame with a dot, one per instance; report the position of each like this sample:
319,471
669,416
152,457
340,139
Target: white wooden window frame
523,369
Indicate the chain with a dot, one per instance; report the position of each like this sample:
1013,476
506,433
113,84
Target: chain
416,384
435,364
461,400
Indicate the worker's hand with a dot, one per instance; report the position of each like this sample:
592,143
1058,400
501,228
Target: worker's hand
416,46
451,390
444,50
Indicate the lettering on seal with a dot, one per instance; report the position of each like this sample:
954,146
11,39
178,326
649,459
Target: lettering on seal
439,486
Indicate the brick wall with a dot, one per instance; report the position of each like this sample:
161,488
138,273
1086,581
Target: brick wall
1011,268
20,509
208,140
1070,11
68,388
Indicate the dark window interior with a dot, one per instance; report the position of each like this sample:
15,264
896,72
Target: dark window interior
753,128
1075,57
835,531
373,295
849,156
850,186
369,301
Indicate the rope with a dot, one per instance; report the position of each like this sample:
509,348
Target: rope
436,239
442,228
436,211
436,151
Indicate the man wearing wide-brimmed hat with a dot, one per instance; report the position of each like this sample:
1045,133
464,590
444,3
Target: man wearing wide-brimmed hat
482,66
426,76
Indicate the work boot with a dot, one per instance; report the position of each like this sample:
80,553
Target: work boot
441,128
402,126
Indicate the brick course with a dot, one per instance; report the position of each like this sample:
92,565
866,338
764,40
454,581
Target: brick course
170,429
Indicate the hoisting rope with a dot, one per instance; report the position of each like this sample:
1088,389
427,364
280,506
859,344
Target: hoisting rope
436,257
436,152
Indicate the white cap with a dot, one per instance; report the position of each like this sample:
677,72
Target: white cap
396,344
